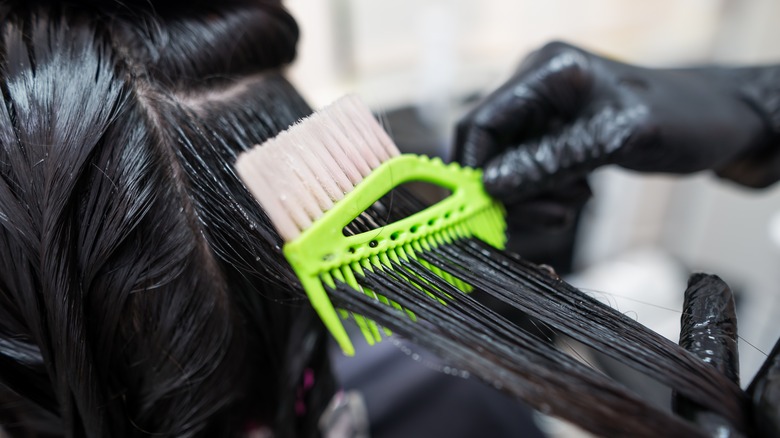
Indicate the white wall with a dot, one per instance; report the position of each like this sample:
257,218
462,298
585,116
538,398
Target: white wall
390,51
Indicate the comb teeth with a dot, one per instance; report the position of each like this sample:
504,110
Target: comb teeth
302,172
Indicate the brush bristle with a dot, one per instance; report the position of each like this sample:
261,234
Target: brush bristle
302,172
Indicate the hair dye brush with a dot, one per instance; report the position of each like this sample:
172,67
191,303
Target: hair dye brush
319,175
324,182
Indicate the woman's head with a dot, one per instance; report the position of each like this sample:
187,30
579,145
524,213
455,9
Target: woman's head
141,289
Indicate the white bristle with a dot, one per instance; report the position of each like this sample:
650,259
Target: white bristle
261,188
322,167
363,115
291,187
342,157
285,189
342,132
308,169
339,172
356,137
301,173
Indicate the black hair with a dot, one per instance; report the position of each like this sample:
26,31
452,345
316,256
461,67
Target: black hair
141,289
144,292
480,332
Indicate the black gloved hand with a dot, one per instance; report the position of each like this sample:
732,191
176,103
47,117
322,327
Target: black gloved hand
567,111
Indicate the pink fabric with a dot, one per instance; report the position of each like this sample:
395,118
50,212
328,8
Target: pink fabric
308,383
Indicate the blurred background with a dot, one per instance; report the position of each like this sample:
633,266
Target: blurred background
421,64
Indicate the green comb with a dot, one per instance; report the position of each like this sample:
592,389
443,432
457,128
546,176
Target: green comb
323,253
320,253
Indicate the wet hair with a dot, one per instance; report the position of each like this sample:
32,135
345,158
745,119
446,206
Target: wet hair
141,288
143,291
471,331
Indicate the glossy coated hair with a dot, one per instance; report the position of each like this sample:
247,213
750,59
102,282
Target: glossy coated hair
479,332
142,291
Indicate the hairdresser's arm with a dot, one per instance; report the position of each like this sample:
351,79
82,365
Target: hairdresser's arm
567,111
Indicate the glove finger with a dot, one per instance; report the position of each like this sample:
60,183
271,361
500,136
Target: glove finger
709,331
576,149
549,85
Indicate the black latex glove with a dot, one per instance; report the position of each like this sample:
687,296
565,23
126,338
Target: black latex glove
764,392
567,111
708,329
